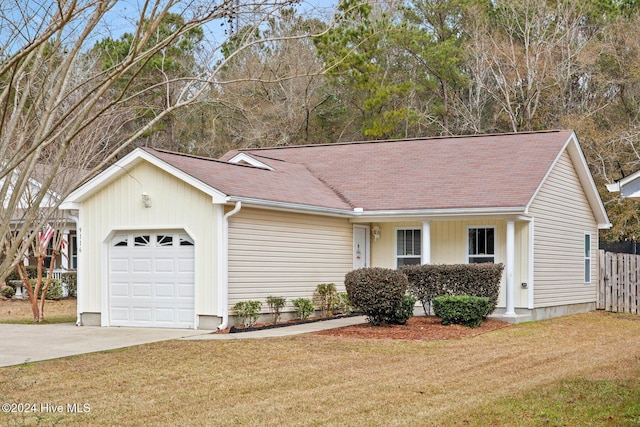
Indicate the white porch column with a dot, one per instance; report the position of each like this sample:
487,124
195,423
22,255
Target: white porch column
509,268
426,243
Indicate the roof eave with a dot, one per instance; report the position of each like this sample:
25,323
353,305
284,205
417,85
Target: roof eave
381,215
122,166
572,147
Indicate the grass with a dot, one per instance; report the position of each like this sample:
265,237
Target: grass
574,402
18,311
576,370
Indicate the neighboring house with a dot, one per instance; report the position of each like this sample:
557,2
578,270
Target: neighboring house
63,222
628,187
172,240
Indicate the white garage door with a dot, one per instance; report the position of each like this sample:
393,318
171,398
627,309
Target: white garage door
151,280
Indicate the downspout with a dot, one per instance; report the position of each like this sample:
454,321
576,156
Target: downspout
224,286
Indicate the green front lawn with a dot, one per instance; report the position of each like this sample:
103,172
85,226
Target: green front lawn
576,370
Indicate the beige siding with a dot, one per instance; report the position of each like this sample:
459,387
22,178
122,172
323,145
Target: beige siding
175,206
286,254
449,246
562,216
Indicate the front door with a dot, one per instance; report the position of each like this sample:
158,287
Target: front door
360,246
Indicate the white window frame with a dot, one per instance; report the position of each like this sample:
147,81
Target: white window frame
395,244
495,243
587,256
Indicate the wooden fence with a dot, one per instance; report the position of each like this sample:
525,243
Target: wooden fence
619,282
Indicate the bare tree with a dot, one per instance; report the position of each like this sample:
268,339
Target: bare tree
61,106
530,49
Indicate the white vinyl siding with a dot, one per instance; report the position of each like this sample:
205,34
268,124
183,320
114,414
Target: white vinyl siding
286,254
118,208
562,216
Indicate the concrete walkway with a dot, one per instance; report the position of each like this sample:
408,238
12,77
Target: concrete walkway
285,331
31,343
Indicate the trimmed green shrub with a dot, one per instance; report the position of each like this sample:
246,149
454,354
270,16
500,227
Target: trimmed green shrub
326,298
71,280
303,307
433,280
32,273
248,311
8,292
344,305
54,291
461,309
275,306
378,292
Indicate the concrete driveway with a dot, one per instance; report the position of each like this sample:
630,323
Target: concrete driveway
30,343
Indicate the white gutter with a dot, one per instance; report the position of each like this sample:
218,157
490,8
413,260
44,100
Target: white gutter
223,293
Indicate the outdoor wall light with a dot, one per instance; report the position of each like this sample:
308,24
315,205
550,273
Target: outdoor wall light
375,230
146,200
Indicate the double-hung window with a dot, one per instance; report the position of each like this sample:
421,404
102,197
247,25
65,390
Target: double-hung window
408,246
482,245
587,258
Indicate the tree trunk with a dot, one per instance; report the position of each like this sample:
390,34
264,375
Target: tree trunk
46,284
33,297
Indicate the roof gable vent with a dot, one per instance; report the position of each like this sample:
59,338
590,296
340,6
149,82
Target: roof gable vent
245,159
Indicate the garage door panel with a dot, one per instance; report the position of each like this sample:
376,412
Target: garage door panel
119,314
119,289
166,315
141,265
152,285
141,290
165,265
185,290
186,265
142,314
119,265
165,290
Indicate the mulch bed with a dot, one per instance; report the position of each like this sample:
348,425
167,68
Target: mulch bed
418,328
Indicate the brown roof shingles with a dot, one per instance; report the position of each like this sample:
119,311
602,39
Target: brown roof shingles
490,171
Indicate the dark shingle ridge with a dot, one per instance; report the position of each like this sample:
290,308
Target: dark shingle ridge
193,156
383,141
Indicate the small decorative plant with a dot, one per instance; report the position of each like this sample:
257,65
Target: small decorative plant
326,298
344,306
303,307
248,311
275,306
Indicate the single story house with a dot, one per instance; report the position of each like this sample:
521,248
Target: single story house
628,187
173,240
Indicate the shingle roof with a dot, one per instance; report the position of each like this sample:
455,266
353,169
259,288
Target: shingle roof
467,172
289,183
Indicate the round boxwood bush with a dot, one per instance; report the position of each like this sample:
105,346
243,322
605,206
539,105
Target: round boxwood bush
378,293
461,309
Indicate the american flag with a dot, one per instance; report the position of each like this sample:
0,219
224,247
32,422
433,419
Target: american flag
45,237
